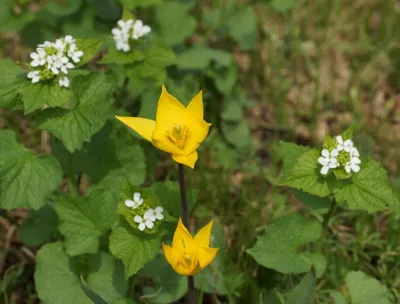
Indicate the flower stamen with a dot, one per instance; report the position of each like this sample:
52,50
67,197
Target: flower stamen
179,135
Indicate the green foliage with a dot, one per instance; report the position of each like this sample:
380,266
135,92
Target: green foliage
305,175
175,22
39,227
368,190
304,291
26,179
243,27
55,279
278,247
134,247
167,287
366,290
93,101
11,80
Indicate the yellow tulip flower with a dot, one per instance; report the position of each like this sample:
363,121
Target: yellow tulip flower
178,130
189,255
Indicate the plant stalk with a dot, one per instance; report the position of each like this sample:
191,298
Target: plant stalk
185,216
325,226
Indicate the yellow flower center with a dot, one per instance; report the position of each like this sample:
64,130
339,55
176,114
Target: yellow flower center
186,261
179,135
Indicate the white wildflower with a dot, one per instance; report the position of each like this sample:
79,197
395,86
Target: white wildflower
143,223
150,215
136,202
74,54
354,163
140,30
344,145
63,82
158,213
328,160
34,76
39,58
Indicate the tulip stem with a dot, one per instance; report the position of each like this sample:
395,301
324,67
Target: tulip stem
185,216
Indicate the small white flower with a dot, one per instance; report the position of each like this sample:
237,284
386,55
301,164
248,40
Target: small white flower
140,30
150,215
158,213
136,202
39,58
143,223
64,82
45,44
328,160
74,54
353,165
59,45
125,25
69,39
34,76
344,145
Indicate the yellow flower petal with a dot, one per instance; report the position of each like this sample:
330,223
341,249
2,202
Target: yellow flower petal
169,108
195,106
202,238
183,241
171,259
144,127
198,130
161,141
206,255
188,160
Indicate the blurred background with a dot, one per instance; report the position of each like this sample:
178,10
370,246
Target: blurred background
269,70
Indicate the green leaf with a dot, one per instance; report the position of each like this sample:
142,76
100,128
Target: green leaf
337,297
283,6
156,58
63,8
304,291
199,57
74,127
106,277
36,95
368,189
106,9
366,290
169,195
243,27
225,78
168,286
291,153
39,227
93,296
84,220
55,280
175,22
315,203
89,47
135,249
278,247
131,4
238,134
25,179
306,176
232,111
12,78
10,22
120,57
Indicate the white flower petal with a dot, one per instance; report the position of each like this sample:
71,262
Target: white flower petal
355,168
149,224
339,139
129,203
138,219
324,170
325,153
334,153
142,226
136,197
159,209
347,168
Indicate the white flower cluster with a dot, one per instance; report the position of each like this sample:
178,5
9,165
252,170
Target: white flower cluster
344,154
126,30
55,58
149,216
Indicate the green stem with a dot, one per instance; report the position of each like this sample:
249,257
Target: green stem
325,226
185,216
72,188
